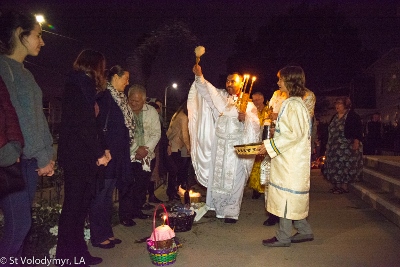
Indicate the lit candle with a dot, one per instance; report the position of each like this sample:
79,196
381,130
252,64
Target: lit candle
194,194
246,80
241,87
164,218
251,86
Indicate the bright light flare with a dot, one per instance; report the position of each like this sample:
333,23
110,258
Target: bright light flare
174,85
40,18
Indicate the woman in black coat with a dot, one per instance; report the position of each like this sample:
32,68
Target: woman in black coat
80,153
116,120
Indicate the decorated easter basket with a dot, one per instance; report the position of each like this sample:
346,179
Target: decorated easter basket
247,149
161,252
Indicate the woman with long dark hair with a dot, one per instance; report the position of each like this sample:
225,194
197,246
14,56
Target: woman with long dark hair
21,36
81,151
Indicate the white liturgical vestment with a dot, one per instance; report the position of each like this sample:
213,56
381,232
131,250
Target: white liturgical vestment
290,152
214,131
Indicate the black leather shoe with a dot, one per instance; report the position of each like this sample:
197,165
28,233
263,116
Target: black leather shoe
105,246
115,241
269,222
256,194
154,199
229,220
141,216
272,220
128,223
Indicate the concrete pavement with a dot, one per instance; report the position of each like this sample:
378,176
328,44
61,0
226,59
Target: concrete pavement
347,233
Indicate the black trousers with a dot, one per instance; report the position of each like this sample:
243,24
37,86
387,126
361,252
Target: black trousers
132,198
178,172
78,195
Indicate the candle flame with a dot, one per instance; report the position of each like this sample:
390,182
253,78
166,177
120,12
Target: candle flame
251,86
245,81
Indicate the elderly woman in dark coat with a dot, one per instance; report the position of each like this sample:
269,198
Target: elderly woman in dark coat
344,148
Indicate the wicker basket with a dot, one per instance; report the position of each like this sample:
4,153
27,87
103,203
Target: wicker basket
164,243
183,223
161,253
248,149
162,256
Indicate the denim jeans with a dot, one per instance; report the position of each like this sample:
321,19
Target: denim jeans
100,215
17,211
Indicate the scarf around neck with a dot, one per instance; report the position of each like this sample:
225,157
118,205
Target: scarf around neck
122,102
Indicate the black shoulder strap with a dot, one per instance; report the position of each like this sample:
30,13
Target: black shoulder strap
105,129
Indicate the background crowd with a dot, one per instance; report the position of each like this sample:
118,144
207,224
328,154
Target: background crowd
110,139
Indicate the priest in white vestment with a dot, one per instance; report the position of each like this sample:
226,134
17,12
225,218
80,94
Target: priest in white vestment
290,152
215,127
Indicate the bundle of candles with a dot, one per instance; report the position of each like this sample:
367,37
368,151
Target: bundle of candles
244,96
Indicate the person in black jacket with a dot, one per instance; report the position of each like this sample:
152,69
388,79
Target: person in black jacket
81,151
115,119
344,149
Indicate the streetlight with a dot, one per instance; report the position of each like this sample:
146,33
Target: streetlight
40,18
174,85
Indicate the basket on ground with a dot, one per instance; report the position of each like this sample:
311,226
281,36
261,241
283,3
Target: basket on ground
161,244
181,222
162,257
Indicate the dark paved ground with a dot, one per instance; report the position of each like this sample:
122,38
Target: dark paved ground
347,233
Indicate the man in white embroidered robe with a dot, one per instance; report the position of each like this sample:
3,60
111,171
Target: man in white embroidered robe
290,152
215,127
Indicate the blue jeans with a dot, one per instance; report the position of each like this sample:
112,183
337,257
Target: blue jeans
101,209
17,211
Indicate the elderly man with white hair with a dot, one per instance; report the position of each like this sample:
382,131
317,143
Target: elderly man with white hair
147,135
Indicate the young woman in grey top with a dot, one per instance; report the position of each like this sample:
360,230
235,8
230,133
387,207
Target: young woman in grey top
21,36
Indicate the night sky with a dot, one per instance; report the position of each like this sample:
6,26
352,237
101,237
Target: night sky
115,28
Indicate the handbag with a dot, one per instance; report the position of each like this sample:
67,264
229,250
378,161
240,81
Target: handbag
11,179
